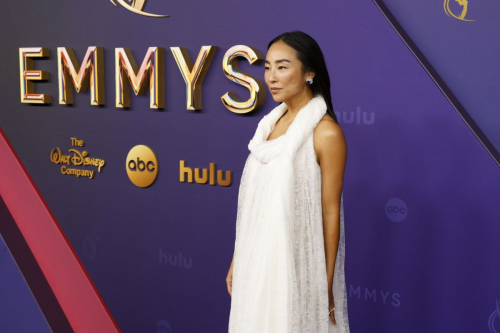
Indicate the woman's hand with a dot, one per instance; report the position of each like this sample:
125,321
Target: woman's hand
229,278
332,314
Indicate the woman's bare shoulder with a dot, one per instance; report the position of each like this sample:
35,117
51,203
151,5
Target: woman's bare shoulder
328,135
328,130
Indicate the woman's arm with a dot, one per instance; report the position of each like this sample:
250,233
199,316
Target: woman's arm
331,148
229,278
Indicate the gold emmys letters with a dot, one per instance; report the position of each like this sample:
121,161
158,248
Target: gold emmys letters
152,67
232,72
151,73
28,74
71,73
193,75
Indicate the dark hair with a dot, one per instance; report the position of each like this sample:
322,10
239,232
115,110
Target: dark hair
311,57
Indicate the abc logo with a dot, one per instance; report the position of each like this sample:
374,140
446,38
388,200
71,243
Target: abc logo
163,326
396,210
142,166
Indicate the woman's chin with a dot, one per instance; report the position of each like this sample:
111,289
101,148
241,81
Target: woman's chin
277,98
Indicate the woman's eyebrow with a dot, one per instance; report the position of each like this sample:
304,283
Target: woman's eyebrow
278,61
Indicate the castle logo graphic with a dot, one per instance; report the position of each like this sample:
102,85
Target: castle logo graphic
494,320
463,3
136,6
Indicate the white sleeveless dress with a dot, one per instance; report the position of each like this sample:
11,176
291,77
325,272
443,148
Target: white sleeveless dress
279,274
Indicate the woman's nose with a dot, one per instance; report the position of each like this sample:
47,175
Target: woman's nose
271,76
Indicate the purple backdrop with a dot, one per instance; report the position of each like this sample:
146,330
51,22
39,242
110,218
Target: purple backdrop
421,193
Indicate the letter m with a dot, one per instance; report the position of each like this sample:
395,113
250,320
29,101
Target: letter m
370,294
356,291
70,73
151,71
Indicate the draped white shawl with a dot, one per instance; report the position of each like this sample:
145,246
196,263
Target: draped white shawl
266,295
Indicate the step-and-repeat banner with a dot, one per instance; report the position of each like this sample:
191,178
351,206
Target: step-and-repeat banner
132,119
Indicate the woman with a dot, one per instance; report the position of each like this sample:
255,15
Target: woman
287,271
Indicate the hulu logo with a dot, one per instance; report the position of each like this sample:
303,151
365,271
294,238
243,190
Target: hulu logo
175,259
206,175
358,117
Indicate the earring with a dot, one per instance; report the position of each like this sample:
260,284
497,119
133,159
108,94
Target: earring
309,81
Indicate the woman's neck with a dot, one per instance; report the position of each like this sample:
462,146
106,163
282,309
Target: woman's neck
298,101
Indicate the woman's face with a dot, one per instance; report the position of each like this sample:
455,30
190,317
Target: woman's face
283,73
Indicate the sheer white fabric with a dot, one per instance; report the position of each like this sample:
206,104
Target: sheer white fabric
279,274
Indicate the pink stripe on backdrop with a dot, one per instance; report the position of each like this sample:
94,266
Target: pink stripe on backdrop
70,282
